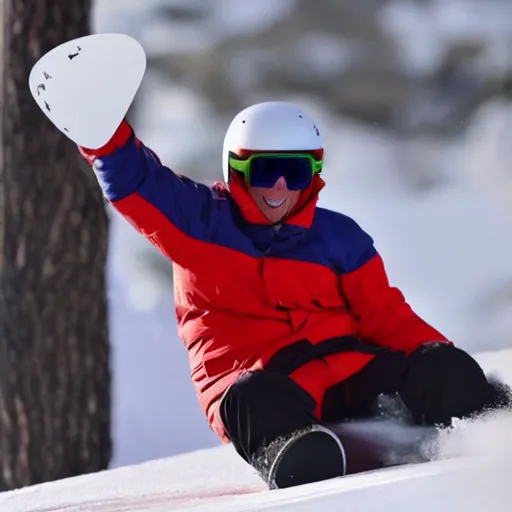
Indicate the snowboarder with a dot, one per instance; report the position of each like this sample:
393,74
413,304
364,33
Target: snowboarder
285,308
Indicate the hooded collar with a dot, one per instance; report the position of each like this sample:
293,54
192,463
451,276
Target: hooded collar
301,215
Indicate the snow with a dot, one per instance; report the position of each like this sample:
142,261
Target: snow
167,36
472,475
423,28
234,17
323,55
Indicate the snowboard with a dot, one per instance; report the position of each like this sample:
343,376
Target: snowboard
85,86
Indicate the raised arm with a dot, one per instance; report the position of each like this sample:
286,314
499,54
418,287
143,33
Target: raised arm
166,208
384,316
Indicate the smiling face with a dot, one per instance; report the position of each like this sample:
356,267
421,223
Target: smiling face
275,202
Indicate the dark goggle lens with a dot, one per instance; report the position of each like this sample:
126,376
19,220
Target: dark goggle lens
265,171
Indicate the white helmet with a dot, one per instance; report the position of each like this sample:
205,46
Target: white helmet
270,126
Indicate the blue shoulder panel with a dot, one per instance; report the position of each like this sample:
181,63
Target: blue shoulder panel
135,169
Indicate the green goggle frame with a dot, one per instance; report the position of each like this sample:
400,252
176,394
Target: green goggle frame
263,169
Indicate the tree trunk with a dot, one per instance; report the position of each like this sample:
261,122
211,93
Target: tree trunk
54,351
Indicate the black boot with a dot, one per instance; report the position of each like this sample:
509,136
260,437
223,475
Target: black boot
308,455
269,419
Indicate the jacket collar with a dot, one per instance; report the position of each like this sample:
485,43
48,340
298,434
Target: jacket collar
302,214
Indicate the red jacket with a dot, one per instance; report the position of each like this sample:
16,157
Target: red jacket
244,290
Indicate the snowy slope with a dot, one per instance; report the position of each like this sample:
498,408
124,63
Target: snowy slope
154,487
477,478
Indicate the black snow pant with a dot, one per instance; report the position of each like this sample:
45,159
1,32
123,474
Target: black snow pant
435,383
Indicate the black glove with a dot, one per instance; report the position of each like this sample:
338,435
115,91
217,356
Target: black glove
441,382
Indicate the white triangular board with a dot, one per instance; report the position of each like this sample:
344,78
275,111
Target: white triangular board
85,86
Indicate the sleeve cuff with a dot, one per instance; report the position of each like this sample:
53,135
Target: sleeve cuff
117,141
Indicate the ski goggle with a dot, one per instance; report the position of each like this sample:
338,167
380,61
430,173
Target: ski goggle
264,169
